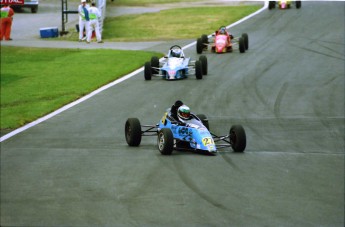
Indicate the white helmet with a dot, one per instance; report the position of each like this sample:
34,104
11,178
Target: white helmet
183,112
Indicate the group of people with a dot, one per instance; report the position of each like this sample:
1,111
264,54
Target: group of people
88,20
6,22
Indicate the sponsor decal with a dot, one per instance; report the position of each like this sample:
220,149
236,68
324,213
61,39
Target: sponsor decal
12,2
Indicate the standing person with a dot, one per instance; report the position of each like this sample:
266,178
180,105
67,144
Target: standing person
94,14
6,22
84,19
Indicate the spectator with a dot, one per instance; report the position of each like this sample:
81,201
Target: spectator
95,15
6,22
84,20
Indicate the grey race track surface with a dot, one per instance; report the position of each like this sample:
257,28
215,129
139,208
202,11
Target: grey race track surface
287,91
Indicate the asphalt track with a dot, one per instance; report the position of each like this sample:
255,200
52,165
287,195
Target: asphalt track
287,91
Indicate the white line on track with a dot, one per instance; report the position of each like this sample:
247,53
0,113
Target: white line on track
84,98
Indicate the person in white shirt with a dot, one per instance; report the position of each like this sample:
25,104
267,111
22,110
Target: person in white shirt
95,15
84,19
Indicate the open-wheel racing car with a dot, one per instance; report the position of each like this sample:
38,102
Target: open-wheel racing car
222,42
193,136
284,4
175,66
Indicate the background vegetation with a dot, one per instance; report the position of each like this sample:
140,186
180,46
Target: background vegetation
47,79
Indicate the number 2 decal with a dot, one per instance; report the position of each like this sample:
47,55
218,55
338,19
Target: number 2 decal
207,141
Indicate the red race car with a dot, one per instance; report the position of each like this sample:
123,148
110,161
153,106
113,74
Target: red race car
284,4
222,41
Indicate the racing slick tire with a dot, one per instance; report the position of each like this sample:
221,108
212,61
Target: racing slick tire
298,4
203,60
241,45
271,4
204,39
154,65
133,132
165,141
237,138
148,71
199,46
204,120
246,40
198,70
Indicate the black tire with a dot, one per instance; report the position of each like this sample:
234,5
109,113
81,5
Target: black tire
199,46
34,9
237,138
148,71
298,4
246,40
271,5
204,120
203,60
165,141
155,64
204,39
198,70
133,132
241,45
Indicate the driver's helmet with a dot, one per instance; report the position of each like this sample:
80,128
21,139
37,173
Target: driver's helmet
222,30
176,53
183,112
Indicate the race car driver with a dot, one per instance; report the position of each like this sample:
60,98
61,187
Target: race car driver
174,108
222,31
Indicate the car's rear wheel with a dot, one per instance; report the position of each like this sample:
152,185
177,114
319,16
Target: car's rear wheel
271,4
199,46
241,45
148,71
198,70
133,132
203,60
298,4
237,138
246,40
204,40
165,141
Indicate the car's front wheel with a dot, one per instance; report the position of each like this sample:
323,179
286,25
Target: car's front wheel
133,132
165,141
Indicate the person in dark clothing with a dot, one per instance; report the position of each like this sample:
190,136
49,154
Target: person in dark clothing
174,108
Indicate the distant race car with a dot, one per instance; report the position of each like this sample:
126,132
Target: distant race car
284,4
222,42
175,66
193,136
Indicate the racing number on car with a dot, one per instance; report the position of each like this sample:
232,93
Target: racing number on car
207,141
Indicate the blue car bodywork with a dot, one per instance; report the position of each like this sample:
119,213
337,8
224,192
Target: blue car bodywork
192,135
193,132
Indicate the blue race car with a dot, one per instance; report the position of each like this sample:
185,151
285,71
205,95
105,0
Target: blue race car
175,66
192,136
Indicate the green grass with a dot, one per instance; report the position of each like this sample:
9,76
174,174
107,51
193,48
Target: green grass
36,81
146,2
172,24
185,23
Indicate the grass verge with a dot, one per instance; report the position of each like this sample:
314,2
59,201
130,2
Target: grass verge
36,81
146,2
171,24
